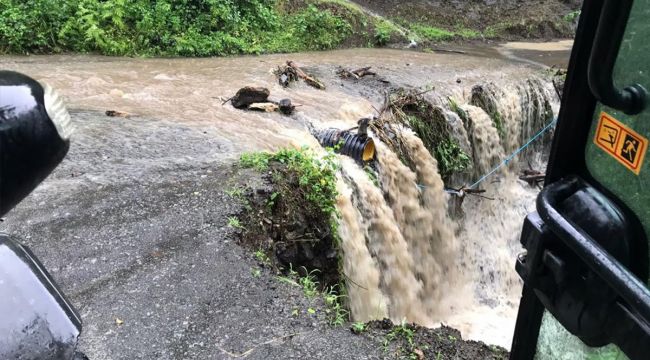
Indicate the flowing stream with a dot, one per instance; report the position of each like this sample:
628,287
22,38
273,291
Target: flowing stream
407,255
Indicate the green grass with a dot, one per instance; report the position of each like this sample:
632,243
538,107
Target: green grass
335,310
236,192
261,256
309,284
316,176
338,314
358,327
435,34
403,332
453,106
235,223
572,16
431,33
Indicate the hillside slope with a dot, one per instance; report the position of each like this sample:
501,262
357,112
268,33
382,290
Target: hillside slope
505,19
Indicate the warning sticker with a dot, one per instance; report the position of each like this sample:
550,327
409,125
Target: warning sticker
621,142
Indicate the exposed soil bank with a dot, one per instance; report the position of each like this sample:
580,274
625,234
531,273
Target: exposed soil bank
501,19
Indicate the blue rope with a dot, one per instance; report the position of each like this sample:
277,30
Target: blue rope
507,160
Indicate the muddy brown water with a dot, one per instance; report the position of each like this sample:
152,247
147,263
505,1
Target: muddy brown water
192,90
478,292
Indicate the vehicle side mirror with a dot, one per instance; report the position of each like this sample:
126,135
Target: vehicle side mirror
34,136
36,320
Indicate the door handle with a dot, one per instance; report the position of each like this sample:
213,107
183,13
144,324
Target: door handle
611,27
614,274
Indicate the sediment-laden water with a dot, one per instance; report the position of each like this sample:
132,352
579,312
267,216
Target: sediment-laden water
406,256
436,267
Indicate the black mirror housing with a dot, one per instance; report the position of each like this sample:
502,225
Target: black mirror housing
31,145
37,321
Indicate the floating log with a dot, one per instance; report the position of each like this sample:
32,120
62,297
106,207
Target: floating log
356,74
249,95
266,107
532,177
115,113
310,80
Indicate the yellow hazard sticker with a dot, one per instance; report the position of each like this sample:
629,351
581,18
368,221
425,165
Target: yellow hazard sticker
622,143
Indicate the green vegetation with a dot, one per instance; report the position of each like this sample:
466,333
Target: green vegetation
452,159
429,123
261,256
235,192
336,312
572,16
372,175
183,27
383,32
404,334
234,223
430,33
316,177
435,34
358,327
453,106
257,160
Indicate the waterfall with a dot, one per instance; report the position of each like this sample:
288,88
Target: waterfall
404,256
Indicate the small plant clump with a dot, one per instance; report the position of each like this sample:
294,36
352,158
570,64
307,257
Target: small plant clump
335,309
235,223
572,16
358,327
411,109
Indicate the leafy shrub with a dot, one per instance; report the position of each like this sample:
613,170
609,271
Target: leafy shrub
319,29
383,31
164,27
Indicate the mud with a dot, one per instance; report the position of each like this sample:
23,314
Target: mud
442,343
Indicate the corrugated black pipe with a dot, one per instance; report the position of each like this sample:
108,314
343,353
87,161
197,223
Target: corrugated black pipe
359,147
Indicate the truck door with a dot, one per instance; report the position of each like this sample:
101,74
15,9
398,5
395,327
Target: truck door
586,268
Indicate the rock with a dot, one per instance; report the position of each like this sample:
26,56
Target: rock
249,95
286,107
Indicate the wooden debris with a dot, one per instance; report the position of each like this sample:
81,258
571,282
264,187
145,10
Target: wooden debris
532,177
266,107
356,74
286,75
249,95
310,80
115,113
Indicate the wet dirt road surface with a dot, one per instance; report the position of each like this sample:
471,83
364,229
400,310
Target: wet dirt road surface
133,224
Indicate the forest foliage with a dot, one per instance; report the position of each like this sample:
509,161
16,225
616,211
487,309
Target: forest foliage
167,27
